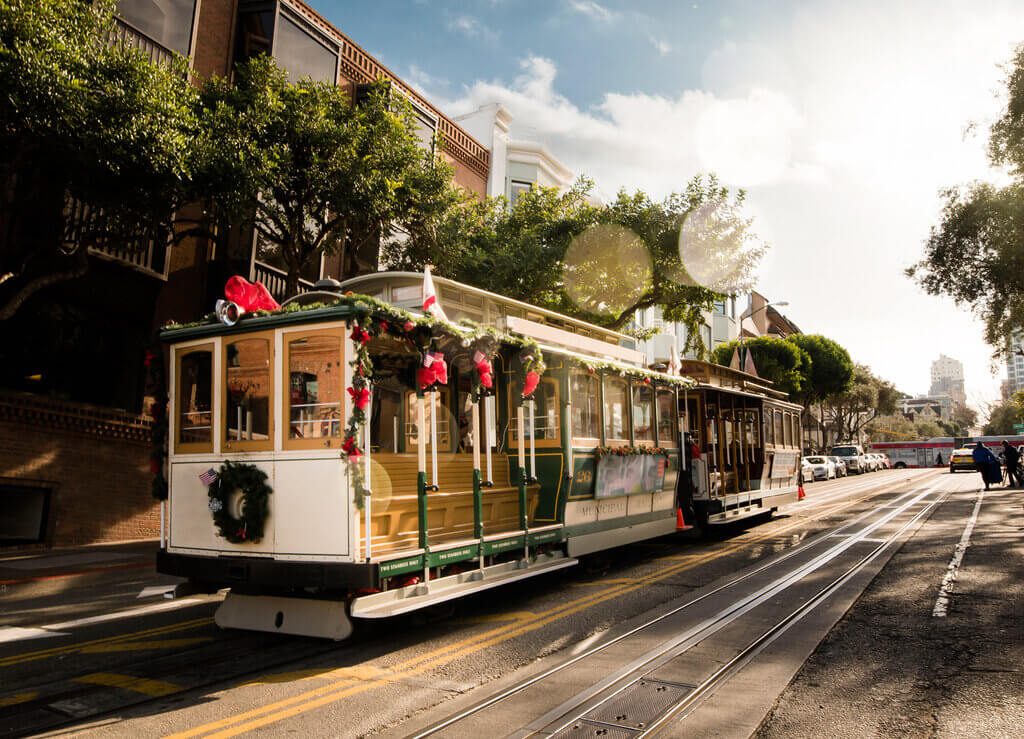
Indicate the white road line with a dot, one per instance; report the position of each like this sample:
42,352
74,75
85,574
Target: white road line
942,602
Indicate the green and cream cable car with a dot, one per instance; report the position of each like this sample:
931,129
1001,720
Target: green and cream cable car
346,457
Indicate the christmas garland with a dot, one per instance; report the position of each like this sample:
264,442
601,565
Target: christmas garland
252,481
637,373
628,451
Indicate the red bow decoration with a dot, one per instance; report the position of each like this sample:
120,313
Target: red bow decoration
349,447
433,372
530,383
484,369
360,334
249,296
360,397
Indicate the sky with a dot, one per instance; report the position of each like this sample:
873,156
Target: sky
842,121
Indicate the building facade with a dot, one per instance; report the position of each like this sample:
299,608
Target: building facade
1014,368
72,367
947,377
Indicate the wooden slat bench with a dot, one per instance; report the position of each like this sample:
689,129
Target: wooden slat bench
394,512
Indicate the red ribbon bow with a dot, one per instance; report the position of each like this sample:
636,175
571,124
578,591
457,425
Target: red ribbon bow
433,372
349,447
530,383
360,334
249,296
360,397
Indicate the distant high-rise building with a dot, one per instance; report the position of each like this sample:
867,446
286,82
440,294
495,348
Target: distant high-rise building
1015,367
948,379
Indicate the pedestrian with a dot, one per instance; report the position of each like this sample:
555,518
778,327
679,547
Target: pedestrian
1012,464
987,464
938,459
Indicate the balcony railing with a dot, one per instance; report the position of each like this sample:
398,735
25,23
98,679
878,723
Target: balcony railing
275,279
126,34
145,255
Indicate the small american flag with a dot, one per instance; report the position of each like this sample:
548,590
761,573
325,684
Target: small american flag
208,477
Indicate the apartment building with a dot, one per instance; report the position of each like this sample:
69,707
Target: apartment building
74,436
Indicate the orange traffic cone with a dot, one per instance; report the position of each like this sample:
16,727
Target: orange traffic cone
680,521
800,495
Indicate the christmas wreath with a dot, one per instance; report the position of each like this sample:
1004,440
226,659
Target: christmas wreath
252,481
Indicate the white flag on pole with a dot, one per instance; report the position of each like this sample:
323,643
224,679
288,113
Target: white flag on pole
430,304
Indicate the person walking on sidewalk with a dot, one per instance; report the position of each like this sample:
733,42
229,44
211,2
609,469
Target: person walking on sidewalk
987,464
1012,457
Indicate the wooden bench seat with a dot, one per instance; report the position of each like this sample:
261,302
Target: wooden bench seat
395,514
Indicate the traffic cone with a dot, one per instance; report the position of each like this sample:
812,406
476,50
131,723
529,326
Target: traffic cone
800,495
680,521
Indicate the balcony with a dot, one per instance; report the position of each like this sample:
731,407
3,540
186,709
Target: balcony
274,280
126,34
143,255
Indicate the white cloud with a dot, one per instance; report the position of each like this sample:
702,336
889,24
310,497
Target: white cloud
662,47
471,27
593,10
843,121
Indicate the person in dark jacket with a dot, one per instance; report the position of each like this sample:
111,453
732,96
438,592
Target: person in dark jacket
987,464
1012,457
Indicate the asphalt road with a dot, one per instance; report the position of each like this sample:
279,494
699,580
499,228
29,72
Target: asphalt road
172,673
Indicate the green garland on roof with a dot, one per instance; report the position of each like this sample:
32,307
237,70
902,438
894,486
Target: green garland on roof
637,373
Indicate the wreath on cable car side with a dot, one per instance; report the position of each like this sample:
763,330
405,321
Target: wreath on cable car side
255,507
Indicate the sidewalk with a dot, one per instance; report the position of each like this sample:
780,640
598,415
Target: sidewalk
41,587
896,666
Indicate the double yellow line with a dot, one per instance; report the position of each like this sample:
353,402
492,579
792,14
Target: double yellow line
526,622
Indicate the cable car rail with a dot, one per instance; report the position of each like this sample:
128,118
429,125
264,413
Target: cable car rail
601,706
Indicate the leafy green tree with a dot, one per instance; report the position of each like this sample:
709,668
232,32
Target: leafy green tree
868,398
929,429
600,264
1002,418
894,427
963,419
90,118
313,173
782,362
976,253
830,371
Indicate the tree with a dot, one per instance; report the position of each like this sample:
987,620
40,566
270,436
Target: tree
830,368
557,251
1001,419
313,173
976,254
894,427
83,117
964,418
782,362
867,398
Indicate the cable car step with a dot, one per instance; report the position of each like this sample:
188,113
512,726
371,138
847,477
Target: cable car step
413,597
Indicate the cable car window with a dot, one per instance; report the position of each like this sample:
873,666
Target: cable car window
666,417
616,393
247,402
779,437
545,418
194,412
315,379
643,413
586,412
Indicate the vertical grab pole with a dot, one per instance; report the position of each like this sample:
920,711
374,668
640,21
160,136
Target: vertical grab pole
684,422
570,458
421,479
521,425
478,503
533,435
488,433
435,406
367,483
163,513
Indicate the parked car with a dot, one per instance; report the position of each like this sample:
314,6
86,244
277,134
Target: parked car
886,464
961,459
840,466
852,455
822,468
806,471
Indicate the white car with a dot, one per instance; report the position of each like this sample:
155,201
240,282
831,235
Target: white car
840,466
822,468
806,471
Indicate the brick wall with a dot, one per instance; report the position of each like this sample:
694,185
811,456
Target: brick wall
212,52
95,460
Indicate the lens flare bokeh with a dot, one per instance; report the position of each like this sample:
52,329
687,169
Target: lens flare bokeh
607,269
713,249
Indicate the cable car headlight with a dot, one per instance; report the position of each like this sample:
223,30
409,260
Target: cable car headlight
227,312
